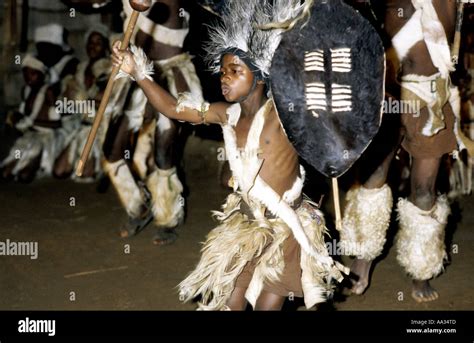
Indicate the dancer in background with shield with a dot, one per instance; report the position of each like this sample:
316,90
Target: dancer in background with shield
269,243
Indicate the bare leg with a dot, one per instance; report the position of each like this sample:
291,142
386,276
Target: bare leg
361,267
170,139
269,302
115,149
116,140
165,144
89,168
237,301
62,167
27,174
7,170
423,180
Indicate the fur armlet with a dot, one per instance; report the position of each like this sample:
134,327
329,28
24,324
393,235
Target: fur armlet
144,68
188,100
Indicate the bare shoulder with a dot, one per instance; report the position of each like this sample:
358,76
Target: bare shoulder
219,111
272,116
273,119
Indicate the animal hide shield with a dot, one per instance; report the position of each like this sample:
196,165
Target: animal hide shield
327,79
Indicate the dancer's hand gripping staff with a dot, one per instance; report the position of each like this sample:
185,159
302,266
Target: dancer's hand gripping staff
138,6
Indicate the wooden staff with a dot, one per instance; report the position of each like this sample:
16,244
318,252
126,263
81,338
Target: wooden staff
337,207
138,6
457,35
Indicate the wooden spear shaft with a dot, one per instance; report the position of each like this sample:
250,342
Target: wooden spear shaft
457,35
105,98
337,207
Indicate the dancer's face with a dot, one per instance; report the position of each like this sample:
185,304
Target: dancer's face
236,78
33,77
96,46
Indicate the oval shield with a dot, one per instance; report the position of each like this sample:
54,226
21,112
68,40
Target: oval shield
327,79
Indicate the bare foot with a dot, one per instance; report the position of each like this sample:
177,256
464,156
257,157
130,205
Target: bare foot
135,225
360,268
165,237
423,292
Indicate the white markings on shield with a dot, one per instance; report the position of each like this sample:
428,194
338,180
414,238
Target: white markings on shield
341,98
314,61
315,92
316,97
341,62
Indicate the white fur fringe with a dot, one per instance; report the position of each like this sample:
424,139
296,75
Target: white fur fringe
168,203
144,68
420,240
238,240
126,187
188,100
365,221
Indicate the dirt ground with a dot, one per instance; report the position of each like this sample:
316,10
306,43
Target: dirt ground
84,265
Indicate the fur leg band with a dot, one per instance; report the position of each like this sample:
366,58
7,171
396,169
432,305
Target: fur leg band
420,239
365,222
127,189
168,204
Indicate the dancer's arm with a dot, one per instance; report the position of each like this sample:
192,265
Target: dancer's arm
161,100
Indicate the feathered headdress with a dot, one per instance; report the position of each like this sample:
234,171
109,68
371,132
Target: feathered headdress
240,33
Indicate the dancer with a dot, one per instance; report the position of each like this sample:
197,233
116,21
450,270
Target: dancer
430,130
85,88
34,149
269,243
149,188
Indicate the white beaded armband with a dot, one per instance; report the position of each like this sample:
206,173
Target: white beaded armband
188,100
144,68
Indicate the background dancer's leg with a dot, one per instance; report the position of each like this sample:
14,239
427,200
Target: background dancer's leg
62,168
116,148
166,137
423,194
27,174
360,268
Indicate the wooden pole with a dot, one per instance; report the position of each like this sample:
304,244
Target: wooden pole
105,98
337,207
457,35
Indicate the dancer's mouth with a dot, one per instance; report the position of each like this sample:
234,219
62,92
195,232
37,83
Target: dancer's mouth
225,90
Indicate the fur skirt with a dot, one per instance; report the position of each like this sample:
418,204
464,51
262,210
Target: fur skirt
240,241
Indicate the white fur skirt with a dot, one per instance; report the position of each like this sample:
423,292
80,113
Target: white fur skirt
239,241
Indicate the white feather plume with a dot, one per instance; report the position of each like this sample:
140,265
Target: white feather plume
240,29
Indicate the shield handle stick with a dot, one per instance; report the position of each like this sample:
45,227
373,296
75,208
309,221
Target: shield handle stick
138,6
337,207
457,35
